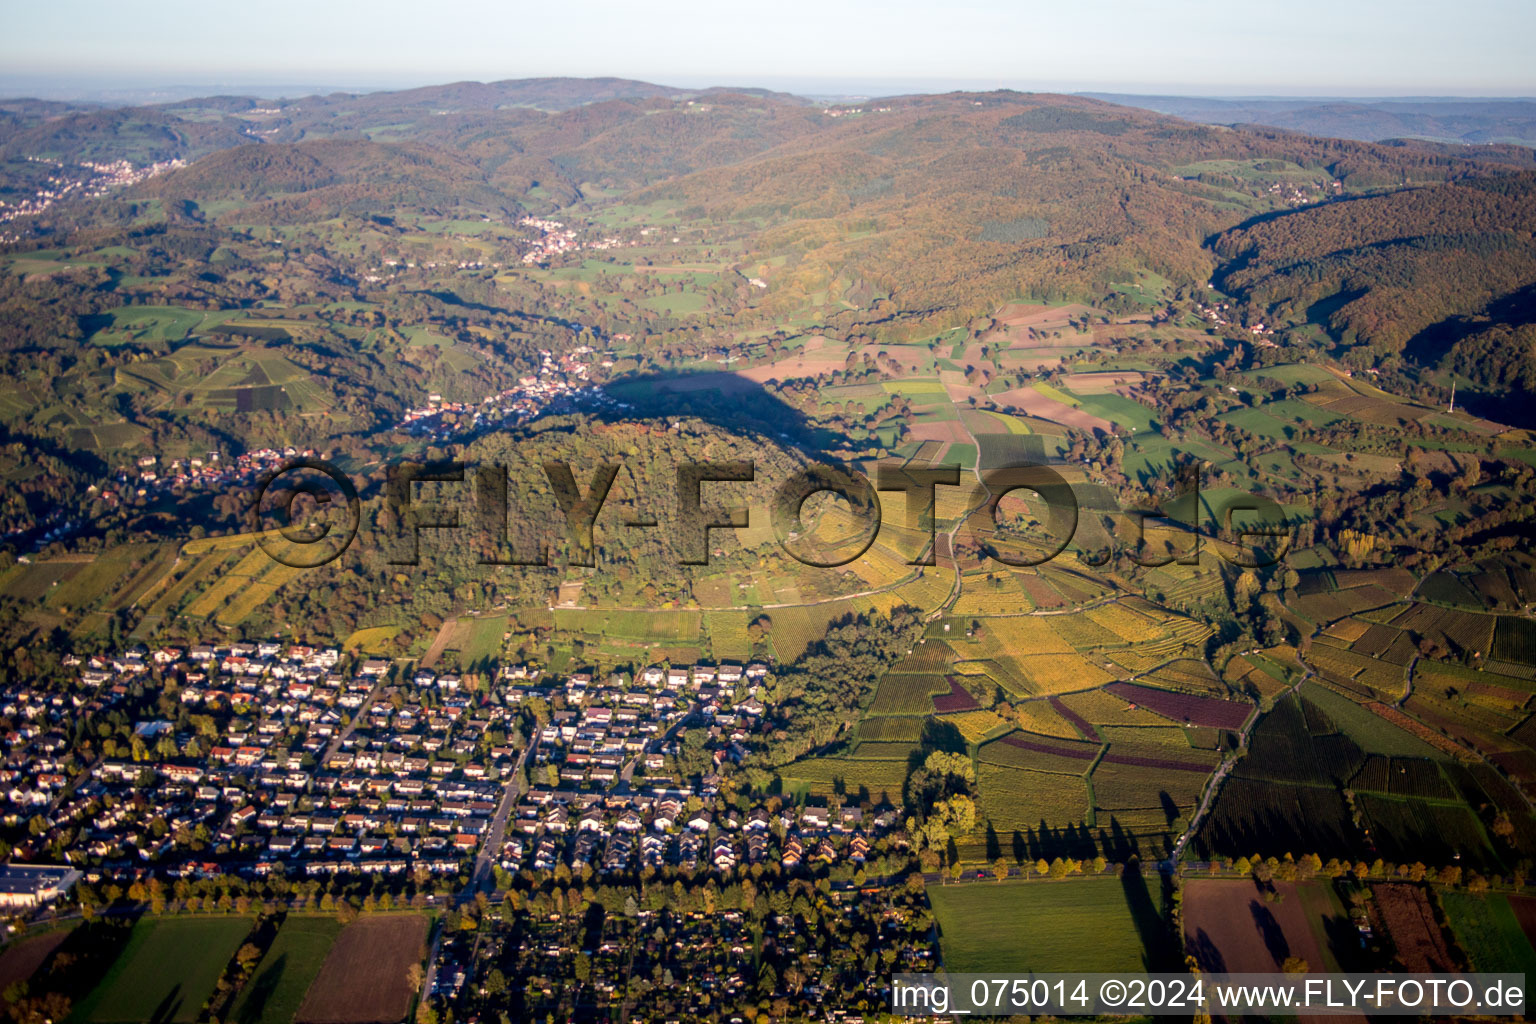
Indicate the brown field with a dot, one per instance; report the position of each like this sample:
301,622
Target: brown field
811,365
1525,912
21,960
1101,382
1033,359
1228,927
363,979
817,356
1022,314
1041,592
960,393
1030,401
938,430
439,643
1410,921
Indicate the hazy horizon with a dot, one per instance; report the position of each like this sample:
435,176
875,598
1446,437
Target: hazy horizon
1204,48
130,89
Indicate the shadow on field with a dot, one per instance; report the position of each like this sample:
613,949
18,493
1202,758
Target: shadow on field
262,988
724,400
1206,954
1270,931
1151,927
168,1008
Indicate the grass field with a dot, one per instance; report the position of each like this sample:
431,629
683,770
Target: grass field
1489,932
1077,924
372,640
166,972
274,993
663,625
480,638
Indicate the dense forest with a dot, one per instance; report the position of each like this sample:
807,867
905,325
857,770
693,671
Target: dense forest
1427,271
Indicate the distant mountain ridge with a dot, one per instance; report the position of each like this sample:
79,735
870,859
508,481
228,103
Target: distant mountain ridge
923,210
1468,121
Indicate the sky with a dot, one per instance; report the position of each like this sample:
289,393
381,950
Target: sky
1189,47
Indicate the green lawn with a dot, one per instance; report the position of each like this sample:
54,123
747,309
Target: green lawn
681,304
166,972
163,324
1488,930
484,639
274,993
964,454
1125,412
1076,924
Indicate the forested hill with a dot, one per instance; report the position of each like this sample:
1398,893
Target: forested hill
457,115
953,202
297,183
910,214
1425,271
946,204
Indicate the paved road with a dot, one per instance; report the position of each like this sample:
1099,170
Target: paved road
628,771
341,737
1211,789
431,976
497,833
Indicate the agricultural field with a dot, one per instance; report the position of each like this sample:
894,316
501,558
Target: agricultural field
1074,924
958,699
363,978
1488,930
890,729
282,977
373,640
1230,927
977,726
1334,712
1051,718
880,779
1412,800
1275,818
1022,800
1164,748
23,957
1295,743
1410,920
1040,753
166,972
728,638
907,694
1405,831
659,626
1100,707
1185,709
476,640
1151,799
